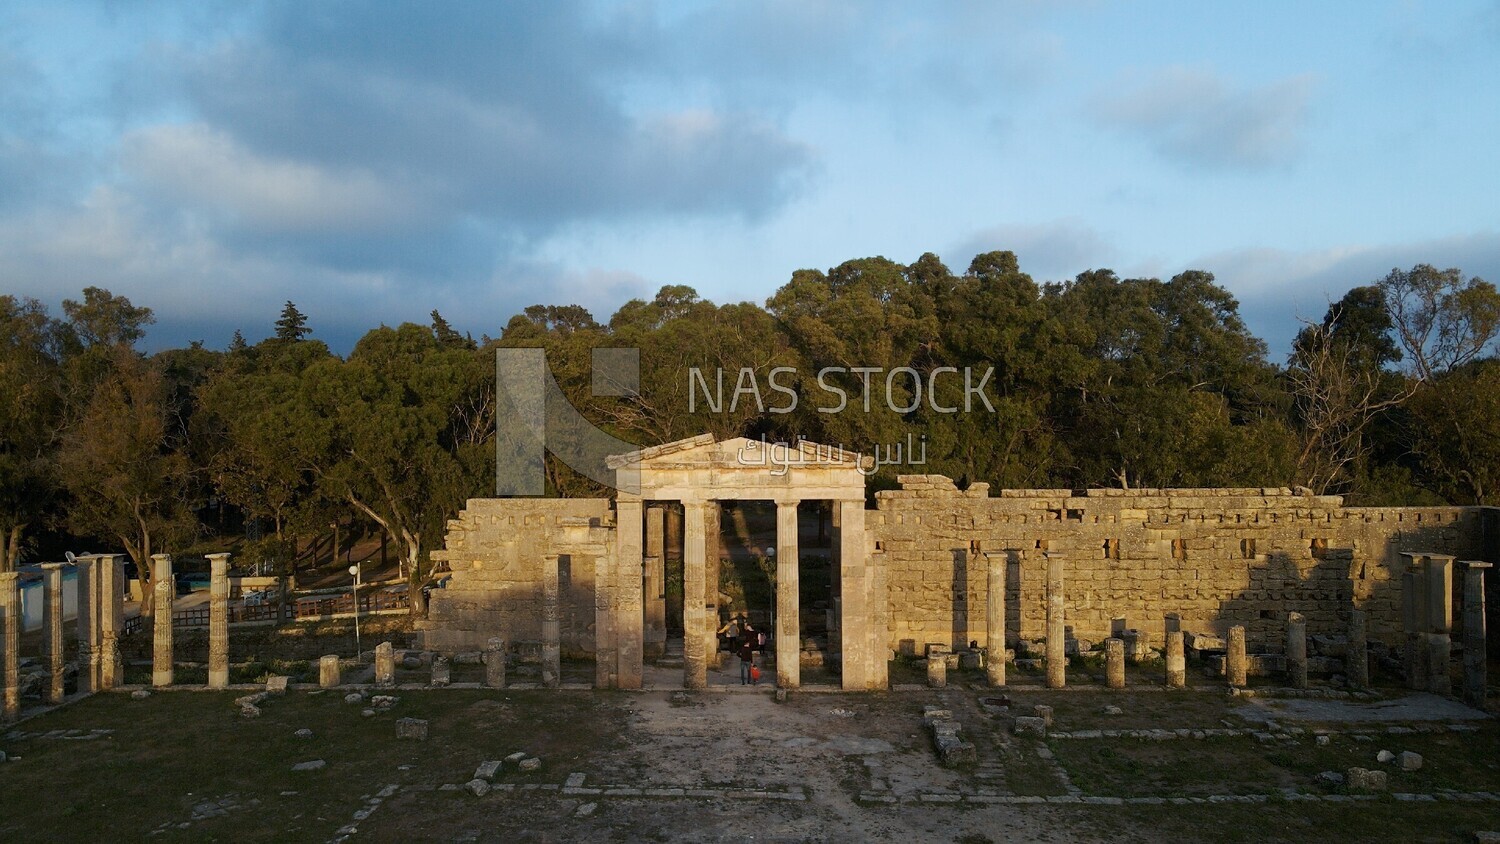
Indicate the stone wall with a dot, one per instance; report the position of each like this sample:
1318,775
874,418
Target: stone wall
495,549
1217,557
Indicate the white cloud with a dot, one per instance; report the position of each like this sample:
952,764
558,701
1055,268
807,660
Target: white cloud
207,169
1193,117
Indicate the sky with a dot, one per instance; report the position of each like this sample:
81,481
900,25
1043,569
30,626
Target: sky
372,162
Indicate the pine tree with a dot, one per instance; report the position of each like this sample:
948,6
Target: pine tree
237,343
292,325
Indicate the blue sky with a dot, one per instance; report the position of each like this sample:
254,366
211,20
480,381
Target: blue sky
372,162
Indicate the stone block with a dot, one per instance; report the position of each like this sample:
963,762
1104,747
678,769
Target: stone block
488,769
1409,761
1027,725
1364,779
411,728
477,787
276,684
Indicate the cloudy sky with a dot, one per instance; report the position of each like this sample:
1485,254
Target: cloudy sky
372,162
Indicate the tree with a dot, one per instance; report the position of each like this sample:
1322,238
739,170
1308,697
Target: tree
123,460
401,433
1340,388
292,326
103,319
1441,319
32,346
1456,432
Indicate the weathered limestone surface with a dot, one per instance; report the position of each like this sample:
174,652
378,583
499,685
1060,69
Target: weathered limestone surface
551,623
10,642
218,621
994,615
788,602
1214,557
1357,657
1114,663
111,574
88,625
1235,668
494,663
1176,660
328,671
1057,662
52,629
163,592
1439,651
694,619
1296,650
1474,633
385,664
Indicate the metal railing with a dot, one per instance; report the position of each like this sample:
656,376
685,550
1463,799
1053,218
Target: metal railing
371,602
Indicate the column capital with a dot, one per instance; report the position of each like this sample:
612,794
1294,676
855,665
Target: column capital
222,554
1440,558
107,557
160,557
1475,564
50,567
787,502
7,576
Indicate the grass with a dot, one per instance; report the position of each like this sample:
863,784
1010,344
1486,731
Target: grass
174,751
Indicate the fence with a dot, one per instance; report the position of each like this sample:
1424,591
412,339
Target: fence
370,602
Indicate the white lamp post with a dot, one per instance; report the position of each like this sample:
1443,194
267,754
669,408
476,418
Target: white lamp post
358,651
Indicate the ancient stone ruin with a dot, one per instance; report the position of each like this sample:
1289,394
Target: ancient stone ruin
1246,576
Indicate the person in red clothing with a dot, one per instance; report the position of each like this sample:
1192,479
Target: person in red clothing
749,641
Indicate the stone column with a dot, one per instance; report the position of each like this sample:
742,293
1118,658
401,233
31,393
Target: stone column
87,587
937,669
788,617
655,591
855,599
52,629
630,624
694,658
328,672
994,618
10,642
494,663
551,629
1057,660
877,610
1474,633
1414,620
1439,623
385,665
164,591
1234,657
218,622
1439,676
713,517
1176,661
1296,650
1357,658
111,574
1114,663
606,653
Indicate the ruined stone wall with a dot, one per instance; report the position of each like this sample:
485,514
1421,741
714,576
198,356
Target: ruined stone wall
495,549
1217,557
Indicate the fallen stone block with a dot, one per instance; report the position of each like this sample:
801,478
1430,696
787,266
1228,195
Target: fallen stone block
140,694
532,764
1385,756
478,787
303,734
314,765
354,697
515,758
1410,761
1044,713
249,710
1030,725
487,769
1363,779
411,728
276,684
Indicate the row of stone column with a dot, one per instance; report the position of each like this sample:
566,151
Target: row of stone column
1426,596
100,617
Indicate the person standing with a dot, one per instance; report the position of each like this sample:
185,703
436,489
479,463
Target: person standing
746,653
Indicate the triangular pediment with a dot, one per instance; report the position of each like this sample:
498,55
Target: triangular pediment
704,450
